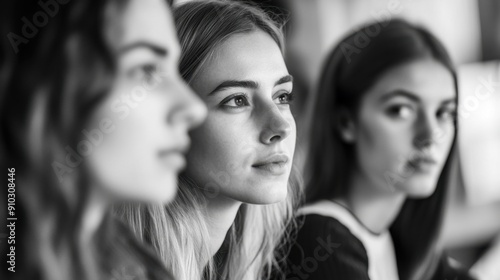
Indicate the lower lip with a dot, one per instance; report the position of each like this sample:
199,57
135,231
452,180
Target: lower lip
275,169
422,166
173,160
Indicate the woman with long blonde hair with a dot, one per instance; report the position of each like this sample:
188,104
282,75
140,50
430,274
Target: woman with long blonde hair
238,192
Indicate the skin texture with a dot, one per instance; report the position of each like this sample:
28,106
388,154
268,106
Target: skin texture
149,111
245,125
408,114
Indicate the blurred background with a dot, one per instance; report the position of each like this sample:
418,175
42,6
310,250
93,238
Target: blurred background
470,30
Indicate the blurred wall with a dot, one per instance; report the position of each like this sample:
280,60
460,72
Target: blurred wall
490,26
479,133
320,24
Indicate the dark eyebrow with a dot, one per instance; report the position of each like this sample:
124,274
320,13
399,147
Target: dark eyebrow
161,51
451,100
284,79
248,84
234,83
400,92
413,97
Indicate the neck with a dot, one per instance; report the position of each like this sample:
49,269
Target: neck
221,212
375,206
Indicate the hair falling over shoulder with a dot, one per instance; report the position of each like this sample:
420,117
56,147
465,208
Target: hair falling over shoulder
255,245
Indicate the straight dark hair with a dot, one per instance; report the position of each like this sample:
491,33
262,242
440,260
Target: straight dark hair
348,73
54,79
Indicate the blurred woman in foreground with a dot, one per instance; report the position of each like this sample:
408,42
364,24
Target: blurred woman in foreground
93,112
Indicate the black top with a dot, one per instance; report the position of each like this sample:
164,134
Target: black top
325,249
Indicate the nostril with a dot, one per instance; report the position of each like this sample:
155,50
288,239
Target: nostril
422,142
275,138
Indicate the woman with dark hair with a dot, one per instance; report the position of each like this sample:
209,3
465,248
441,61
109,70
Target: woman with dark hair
383,131
93,112
238,192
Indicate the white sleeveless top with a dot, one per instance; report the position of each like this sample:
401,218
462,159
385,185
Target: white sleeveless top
379,247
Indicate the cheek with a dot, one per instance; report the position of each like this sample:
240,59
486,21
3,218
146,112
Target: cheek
293,135
445,140
126,161
380,145
218,150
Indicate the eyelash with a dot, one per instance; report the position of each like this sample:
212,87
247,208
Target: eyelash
393,111
289,95
451,111
144,72
233,97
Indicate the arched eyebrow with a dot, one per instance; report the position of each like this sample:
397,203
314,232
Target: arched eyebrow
158,50
452,101
234,84
412,96
400,92
247,84
284,79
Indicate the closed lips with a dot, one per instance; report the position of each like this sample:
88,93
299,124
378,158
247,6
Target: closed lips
175,156
424,159
274,159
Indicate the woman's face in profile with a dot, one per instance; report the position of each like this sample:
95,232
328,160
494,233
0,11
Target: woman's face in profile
245,148
144,120
405,127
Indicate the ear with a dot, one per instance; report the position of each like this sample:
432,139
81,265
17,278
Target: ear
346,126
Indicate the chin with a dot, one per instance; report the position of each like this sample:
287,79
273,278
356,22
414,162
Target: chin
268,194
163,190
420,187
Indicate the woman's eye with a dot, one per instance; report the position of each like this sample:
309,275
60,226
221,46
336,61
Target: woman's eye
400,111
144,73
446,114
235,101
285,98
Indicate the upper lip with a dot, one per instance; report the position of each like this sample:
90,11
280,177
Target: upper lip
423,158
275,158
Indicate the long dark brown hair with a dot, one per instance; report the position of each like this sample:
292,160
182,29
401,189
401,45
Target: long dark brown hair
56,74
350,70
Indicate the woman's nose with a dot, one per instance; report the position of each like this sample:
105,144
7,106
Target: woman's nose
275,126
190,109
427,129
